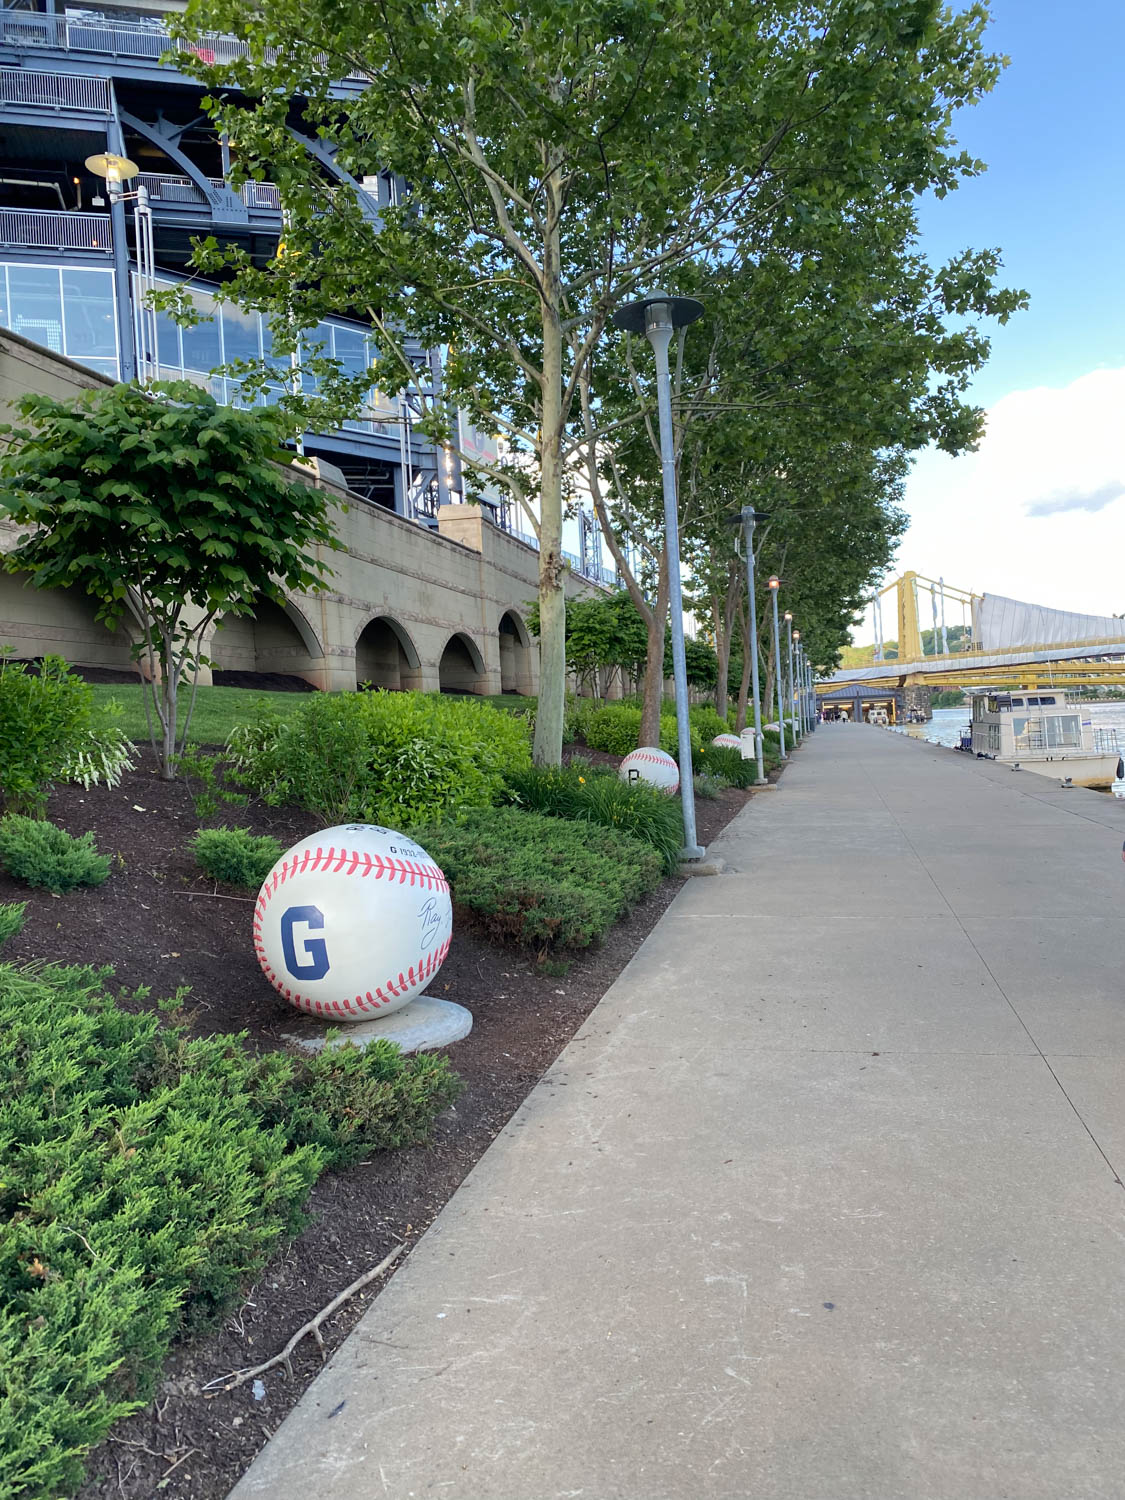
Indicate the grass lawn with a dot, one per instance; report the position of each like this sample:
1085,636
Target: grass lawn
219,709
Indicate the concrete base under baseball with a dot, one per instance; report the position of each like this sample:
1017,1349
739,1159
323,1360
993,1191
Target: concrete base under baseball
422,1026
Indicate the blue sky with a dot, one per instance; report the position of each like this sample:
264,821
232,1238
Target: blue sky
1039,512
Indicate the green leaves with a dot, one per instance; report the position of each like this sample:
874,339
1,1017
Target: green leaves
163,505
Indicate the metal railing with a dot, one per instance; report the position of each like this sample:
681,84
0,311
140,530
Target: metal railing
50,229
55,91
1105,741
168,189
134,39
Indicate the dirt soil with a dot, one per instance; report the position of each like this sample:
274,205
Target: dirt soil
163,925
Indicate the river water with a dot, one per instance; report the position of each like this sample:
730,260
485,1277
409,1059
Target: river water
947,724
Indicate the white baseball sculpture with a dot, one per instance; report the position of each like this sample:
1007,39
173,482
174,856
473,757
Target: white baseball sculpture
353,923
652,765
730,741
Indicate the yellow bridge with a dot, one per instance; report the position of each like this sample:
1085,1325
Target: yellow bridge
1003,643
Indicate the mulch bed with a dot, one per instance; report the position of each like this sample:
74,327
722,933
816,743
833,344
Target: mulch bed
162,925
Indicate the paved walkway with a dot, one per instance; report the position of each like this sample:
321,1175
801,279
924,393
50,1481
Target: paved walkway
822,1203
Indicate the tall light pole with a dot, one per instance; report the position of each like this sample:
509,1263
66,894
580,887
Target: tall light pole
791,696
117,170
750,517
799,687
774,585
658,317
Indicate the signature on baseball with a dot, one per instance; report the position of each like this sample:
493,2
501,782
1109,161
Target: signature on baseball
430,918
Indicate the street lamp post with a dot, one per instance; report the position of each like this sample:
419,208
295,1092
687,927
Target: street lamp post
116,171
749,518
658,317
791,696
799,685
774,585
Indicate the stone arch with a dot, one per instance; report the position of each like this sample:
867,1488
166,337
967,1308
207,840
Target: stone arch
461,669
61,622
386,657
276,639
515,655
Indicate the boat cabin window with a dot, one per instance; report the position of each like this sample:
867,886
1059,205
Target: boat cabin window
1036,702
1017,702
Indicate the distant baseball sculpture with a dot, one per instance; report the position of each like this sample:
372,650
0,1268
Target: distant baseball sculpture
353,923
730,741
652,765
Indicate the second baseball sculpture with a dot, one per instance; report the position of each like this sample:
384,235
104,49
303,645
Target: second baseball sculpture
353,923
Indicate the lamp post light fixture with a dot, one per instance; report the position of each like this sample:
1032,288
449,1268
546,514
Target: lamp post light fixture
799,684
791,696
774,585
116,171
658,317
750,517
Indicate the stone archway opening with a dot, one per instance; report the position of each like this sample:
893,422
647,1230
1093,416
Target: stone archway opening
272,642
515,655
461,669
385,657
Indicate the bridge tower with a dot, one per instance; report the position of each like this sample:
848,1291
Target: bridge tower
909,636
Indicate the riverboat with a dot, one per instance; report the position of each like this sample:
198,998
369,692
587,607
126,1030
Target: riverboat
1042,732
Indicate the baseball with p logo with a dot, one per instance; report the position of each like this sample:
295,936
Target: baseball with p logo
652,765
353,923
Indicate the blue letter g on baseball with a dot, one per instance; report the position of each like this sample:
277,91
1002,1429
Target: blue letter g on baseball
314,950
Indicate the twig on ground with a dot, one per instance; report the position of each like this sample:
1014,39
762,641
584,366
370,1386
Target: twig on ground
239,1377
213,896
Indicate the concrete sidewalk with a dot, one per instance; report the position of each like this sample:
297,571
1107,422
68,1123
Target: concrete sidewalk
822,1202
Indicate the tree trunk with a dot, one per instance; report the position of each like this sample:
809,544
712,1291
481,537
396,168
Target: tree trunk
547,747
653,691
168,706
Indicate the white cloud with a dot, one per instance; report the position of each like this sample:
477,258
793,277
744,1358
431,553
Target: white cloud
1038,512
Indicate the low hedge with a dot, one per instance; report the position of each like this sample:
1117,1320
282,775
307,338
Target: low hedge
145,1178
616,727
42,854
585,794
537,881
235,855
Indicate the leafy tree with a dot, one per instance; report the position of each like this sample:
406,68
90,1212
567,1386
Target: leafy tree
562,155
161,503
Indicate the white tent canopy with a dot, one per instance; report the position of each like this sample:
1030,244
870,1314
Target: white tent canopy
1001,624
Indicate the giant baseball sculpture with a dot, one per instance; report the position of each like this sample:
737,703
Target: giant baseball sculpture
728,741
352,923
652,765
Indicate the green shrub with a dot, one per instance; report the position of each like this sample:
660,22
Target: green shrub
708,785
44,725
727,762
200,772
586,795
379,757
707,723
613,728
537,881
235,855
11,920
577,719
145,1178
40,853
